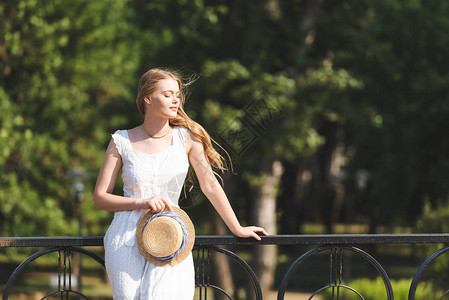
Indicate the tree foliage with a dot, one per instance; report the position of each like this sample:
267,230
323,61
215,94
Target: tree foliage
63,69
299,81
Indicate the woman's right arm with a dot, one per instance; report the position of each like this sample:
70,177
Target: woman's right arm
104,198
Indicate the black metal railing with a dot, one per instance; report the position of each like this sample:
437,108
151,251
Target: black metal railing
337,246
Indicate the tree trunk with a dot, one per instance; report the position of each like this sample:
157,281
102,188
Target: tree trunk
265,216
291,200
220,261
327,177
221,265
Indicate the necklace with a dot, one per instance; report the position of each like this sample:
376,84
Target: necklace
156,137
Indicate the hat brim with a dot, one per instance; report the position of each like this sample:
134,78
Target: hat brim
183,254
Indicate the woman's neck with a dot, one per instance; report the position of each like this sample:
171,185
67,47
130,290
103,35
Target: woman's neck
155,126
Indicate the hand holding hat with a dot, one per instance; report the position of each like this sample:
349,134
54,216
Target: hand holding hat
167,238
156,204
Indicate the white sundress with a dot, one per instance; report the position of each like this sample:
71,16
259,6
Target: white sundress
146,175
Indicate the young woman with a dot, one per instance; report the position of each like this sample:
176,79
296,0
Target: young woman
154,159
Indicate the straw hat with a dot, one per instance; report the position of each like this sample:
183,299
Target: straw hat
167,238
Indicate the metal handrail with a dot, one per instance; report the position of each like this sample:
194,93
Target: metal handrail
334,243
211,240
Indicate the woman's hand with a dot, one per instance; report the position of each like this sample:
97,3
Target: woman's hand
250,231
155,204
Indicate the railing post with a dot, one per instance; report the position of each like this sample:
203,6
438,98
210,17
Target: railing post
66,270
335,271
203,269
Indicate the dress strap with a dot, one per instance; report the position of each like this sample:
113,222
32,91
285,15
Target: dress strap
180,136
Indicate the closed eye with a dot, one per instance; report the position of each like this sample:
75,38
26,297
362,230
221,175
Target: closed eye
167,94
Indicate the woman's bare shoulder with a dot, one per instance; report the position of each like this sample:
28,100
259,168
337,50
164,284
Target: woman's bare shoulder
192,140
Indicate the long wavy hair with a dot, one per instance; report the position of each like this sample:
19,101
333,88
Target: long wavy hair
147,85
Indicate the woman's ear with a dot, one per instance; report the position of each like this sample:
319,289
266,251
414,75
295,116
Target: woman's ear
147,100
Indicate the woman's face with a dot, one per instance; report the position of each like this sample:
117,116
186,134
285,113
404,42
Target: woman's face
164,101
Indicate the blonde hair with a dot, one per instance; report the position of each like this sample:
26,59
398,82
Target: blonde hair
147,85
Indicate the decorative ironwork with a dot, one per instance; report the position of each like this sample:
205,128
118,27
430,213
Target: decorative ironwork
203,271
335,271
65,288
422,268
336,244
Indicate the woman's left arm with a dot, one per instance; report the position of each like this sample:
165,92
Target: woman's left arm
214,192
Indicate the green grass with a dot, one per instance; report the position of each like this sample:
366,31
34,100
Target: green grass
374,289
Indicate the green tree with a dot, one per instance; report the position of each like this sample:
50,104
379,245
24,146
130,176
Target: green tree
395,129
65,68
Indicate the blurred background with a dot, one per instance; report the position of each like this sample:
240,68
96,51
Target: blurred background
334,113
